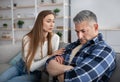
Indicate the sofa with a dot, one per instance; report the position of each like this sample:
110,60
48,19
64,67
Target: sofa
7,54
10,53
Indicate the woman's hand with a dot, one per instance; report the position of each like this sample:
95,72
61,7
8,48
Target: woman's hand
59,52
59,59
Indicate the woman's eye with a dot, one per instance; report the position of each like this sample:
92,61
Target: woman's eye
48,21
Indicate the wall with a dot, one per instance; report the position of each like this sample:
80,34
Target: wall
27,11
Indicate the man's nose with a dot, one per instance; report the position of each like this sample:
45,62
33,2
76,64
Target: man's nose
80,35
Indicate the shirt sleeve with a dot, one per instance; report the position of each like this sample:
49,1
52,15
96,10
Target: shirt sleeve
35,64
90,69
38,64
26,46
55,42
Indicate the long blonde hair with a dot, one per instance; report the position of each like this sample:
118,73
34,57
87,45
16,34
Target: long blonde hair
37,38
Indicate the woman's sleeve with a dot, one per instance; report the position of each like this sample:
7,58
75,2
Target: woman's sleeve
26,46
55,42
38,64
35,64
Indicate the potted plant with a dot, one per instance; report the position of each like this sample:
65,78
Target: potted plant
53,1
20,23
5,25
59,34
14,4
56,11
42,1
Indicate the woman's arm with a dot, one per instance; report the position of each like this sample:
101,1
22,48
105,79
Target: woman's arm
55,42
38,64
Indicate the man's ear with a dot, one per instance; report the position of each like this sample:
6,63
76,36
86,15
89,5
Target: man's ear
96,26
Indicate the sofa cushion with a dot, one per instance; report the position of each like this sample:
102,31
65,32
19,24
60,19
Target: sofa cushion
16,58
116,74
7,52
4,67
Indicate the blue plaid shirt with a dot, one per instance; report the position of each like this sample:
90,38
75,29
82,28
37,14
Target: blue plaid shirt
94,62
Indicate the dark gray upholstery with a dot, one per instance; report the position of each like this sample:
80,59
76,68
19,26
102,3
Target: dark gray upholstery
116,74
63,44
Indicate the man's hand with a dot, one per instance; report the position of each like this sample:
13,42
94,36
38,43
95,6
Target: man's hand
60,78
56,67
60,60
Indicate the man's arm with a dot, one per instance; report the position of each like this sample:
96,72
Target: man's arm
55,68
90,69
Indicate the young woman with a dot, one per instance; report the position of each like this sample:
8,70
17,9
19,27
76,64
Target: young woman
37,46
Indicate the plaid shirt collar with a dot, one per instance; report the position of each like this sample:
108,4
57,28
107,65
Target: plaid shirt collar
94,41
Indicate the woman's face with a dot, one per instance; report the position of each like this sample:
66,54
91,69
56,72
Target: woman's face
48,23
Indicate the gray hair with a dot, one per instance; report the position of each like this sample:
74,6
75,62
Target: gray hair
85,15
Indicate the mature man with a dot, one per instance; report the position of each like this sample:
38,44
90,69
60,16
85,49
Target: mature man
89,59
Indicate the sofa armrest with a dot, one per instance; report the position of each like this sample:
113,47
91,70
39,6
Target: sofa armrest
115,76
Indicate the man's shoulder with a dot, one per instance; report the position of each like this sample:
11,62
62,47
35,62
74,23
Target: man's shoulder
102,49
104,46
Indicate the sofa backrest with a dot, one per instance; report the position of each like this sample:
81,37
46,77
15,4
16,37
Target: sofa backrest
63,44
7,52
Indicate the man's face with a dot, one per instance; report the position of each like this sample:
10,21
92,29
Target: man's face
86,31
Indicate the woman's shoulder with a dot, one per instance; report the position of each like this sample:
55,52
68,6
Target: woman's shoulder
55,36
26,38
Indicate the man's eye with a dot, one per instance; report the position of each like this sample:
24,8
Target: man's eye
76,31
83,31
